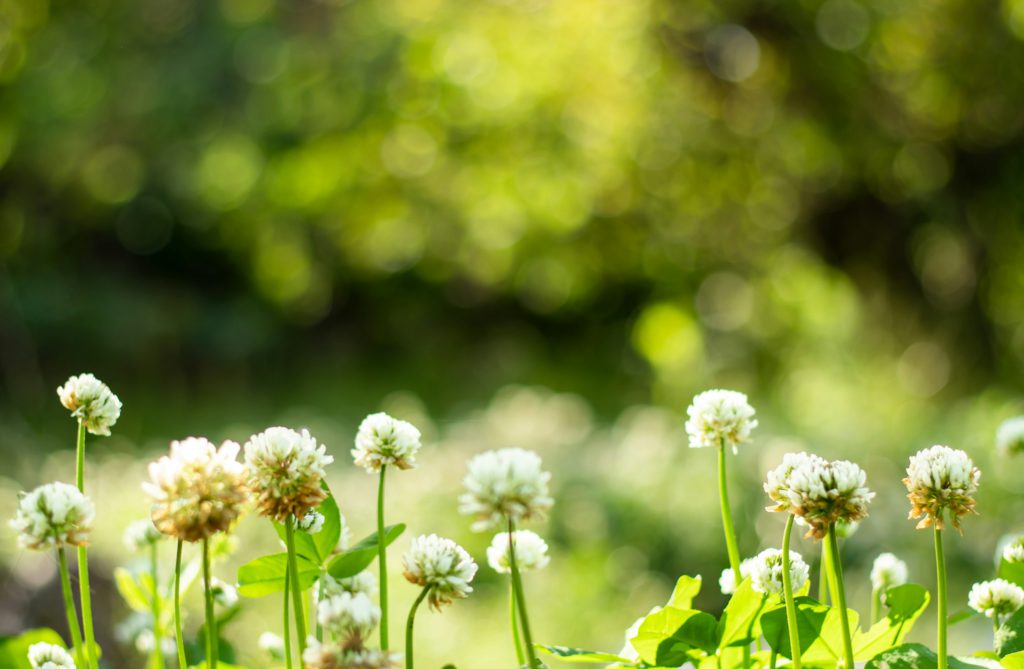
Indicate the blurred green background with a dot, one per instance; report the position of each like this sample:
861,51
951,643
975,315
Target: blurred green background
544,223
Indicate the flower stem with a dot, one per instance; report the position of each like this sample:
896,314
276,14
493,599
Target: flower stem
773,660
80,457
179,639
940,574
84,592
69,607
823,584
316,605
287,630
211,621
840,593
409,623
520,658
787,589
730,532
382,561
293,568
517,587
158,651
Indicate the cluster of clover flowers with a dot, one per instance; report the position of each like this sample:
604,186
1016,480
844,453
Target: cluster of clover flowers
199,491
828,498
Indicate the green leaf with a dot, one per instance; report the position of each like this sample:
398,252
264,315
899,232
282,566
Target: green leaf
359,557
1013,661
667,636
687,587
14,650
960,616
265,575
912,656
819,627
130,591
905,604
1012,572
740,623
1010,635
318,548
580,655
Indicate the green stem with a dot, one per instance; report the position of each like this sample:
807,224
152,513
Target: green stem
80,457
293,568
287,626
158,651
409,623
995,623
823,584
85,595
69,607
876,605
316,605
179,639
940,573
787,590
382,561
517,587
840,593
773,660
211,620
730,532
515,624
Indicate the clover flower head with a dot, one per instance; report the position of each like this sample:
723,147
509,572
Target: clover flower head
506,484
727,581
90,401
53,515
1010,436
271,644
531,552
285,471
329,655
1013,552
819,492
350,617
363,582
312,522
995,598
766,571
197,489
383,440
224,594
718,418
141,534
888,571
49,656
941,479
441,565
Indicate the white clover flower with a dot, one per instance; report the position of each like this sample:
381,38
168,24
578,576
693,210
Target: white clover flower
271,644
718,418
53,515
441,565
819,492
197,489
328,586
531,552
351,617
888,571
331,655
995,598
141,534
1010,436
90,401
285,471
502,485
224,594
312,522
941,479
1013,552
766,572
49,656
727,581
383,440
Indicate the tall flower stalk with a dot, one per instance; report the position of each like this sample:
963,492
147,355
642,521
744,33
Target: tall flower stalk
444,571
787,585
53,517
941,480
531,553
179,638
212,653
383,441
285,469
836,576
721,419
504,487
96,409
